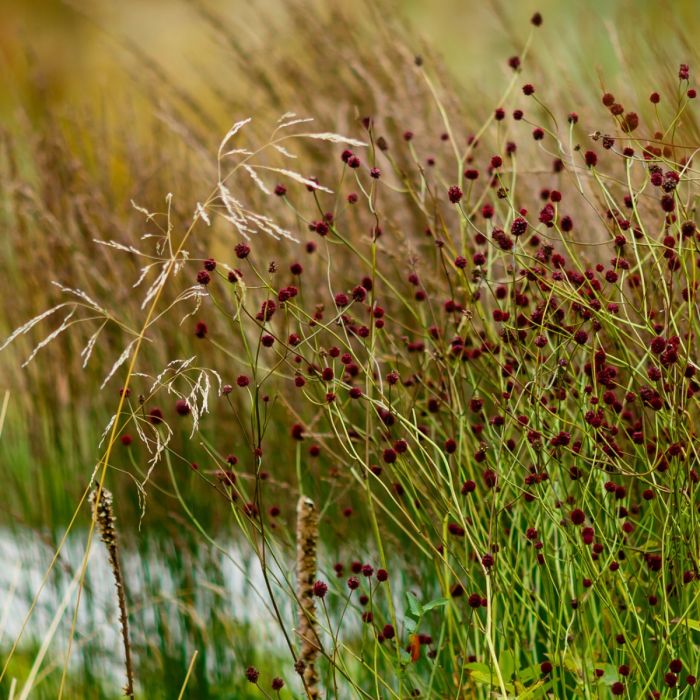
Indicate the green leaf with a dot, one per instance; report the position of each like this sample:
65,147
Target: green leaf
437,603
692,624
530,692
506,662
405,657
481,673
610,674
415,609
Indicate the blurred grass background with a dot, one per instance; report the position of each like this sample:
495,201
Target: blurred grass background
74,49
105,102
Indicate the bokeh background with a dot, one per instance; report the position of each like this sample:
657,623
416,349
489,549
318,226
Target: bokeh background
105,102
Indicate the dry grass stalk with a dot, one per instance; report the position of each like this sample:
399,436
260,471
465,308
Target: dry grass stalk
307,540
104,516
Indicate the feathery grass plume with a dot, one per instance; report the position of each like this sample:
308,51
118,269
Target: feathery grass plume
307,539
103,512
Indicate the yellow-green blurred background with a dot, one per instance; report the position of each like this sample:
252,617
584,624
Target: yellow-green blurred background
76,47
104,102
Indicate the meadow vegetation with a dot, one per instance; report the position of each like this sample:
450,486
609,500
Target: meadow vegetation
392,386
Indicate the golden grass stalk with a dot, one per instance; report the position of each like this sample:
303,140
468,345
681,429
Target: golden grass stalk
101,502
307,540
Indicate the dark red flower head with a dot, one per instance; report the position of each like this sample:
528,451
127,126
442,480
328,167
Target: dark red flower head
320,589
577,516
454,194
242,251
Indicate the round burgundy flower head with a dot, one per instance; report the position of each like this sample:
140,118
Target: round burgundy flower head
182,407
200,329
528,89
684,71
242,251
577,516
252,674
277,684
210,264
155,415
203,277
242,381
454,194
591,159
353,583
456,530
126,440
320,589
468,486
657,345
617,688
518,227
382,575
536,19
490,478
545,668
280,190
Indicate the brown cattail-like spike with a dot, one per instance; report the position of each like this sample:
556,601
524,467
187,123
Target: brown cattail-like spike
103,512
307,540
